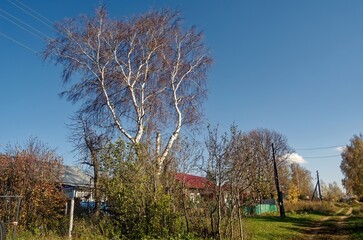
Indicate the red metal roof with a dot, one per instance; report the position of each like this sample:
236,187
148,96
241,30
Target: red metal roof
192,181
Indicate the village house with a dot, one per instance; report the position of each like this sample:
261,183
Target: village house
196,186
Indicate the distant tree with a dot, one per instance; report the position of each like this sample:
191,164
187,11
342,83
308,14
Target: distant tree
301,181
141,76
331,192
352,166
294,193
262,140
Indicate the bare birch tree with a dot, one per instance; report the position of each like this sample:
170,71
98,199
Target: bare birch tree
219,149
142,75
232,165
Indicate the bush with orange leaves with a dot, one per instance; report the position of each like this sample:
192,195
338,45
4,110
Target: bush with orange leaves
34,173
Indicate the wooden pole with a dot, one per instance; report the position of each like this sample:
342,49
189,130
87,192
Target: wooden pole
318,184
312,198
279,193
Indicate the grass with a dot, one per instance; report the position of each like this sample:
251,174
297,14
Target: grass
302,216
323,208
31,236
274,227
82,230
355,225
259,227
26,235
333,221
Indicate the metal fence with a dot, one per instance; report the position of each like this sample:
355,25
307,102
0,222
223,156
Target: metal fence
9,215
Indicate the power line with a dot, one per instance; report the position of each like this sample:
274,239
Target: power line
32,15
318,148
24,23
19,43
37,13
21,27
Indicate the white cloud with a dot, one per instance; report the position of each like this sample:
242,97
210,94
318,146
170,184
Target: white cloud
296,158
340,149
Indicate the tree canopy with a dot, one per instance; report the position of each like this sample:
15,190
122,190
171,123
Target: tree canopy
139,76
352,166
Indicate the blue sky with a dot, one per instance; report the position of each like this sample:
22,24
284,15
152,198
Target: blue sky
292,66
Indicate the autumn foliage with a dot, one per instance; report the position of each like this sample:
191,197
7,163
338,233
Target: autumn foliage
352,166
32,172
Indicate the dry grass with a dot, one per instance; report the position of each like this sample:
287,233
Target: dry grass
318,207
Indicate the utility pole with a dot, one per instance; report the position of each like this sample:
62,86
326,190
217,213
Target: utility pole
279,193
317,188
317,176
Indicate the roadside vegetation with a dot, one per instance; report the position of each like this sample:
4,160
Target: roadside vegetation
315,220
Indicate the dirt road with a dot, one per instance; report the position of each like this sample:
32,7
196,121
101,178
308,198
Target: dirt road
330,227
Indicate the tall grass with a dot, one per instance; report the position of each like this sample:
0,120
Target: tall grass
317,207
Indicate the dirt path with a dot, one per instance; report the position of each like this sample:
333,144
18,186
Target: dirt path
330,227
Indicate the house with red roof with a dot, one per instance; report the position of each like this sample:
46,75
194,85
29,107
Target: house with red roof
195,186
